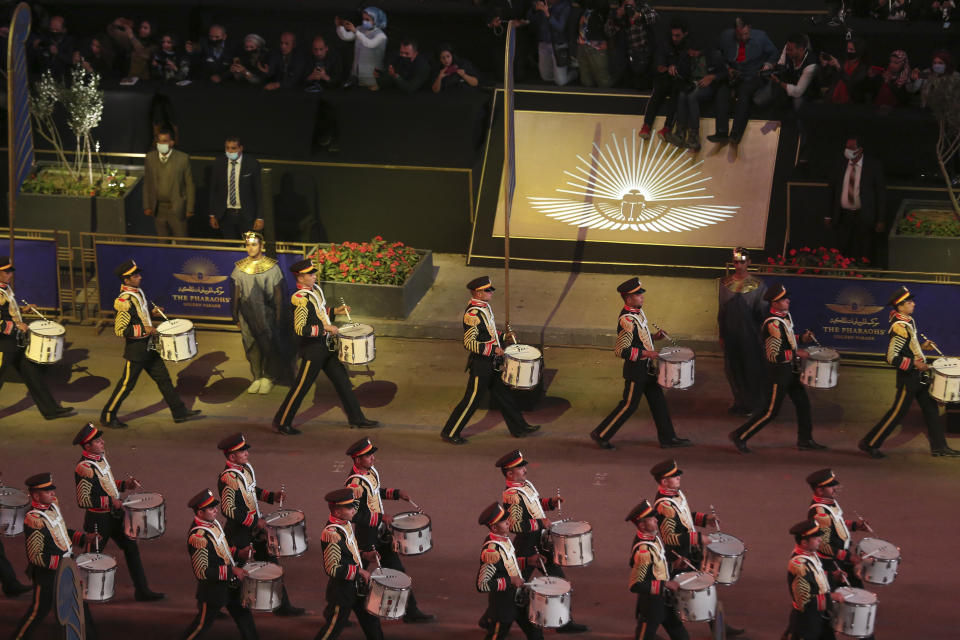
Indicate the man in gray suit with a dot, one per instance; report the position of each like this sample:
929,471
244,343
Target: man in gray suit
168,187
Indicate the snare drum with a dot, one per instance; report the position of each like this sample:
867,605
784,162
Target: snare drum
411,533
44,341
286,533
697,596
521,366
97,573
724,558
945,385
572,543
549,605
262,588
856,615
144,516
821,368
176,340
389,590
14,505
357,344
880,560
677,365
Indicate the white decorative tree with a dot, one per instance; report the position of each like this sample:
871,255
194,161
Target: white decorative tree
942,95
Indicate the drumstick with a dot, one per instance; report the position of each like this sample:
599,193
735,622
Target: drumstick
843,574
36,311
860,518
282,487
685,561
932,344
543,567
96,540
162,314
665,334
559,505
716,520
415,505
345,309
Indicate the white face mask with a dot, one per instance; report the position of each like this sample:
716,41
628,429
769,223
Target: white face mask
232,155
850,154
163,148
939,69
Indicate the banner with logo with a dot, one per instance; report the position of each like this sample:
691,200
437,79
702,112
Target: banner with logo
851,315
36,277
187,282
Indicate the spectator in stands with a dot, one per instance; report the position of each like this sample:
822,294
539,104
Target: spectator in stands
170,64
499,14
631,29
287,68
943,11
52,49
891,9
551,21
369,48
890,84
702,87
593,45
251,66
793,81
213,56
326,69
845,82
941,66
858,201
409,72
139,46
744,54
672,65
93,57
455,73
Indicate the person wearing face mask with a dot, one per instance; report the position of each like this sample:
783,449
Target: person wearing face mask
890,84
858,201
845,80
409,73
941,66
213,56
235,191
169,64
251,65
369,48
168,193
52,49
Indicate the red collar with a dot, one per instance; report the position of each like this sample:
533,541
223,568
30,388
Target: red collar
899,316
779,314
362,472
37,505
231,465
334,520
668,492
820,500
124,287
515,484
800,551
477,303
200,522
499,538
91,456
3,285
300,286
630,309
646,536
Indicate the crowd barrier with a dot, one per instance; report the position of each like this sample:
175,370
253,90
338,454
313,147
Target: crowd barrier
44,262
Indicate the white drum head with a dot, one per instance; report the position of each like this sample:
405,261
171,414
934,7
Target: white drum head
46,328
949,367
143,500
823,354
879,549
13,497
522,352
355,330
857,596
391,578
264,570
676,354
550,586
96,562
694,581
284,518
175,327
726,545
570,528
410,521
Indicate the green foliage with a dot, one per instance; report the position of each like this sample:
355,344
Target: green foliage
111,183
374,262
929,222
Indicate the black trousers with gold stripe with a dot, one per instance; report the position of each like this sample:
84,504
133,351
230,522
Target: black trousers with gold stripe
155,368
633,392
484,379
310,368
44,581
653,613
342,598
208,607
786,382
503,611
32,375
909,388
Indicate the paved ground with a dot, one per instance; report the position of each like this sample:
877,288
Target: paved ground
910,497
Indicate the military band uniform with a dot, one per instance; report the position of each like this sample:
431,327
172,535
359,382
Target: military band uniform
678,525
810,594
212,560
8,577
903,350
481,339
12,355
47,540
526,512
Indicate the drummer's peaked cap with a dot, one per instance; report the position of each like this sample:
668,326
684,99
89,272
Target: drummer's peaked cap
775,293
480,284
822,478
42,481
304,266
340,498
361,447
203,500
641,511
511,460
128,268
805,529
233,443
901,295
87,434
665,469
492,515
6,264
633,285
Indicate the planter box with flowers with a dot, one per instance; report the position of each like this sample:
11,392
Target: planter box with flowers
376,278
925,237
817,260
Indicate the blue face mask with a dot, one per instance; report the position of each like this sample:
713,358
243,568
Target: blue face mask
232,155
939,69
367,24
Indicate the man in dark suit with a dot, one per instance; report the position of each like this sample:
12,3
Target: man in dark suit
287,67
235,192
857,202
213,56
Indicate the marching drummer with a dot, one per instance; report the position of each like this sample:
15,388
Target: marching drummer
313,322
527,520
98,493
835,529
12,354
650,578
132,323
216,571
783,359
808,585
344,567
8,576
905,353
370,520
239,497
500,577
635,347
47,541
482,340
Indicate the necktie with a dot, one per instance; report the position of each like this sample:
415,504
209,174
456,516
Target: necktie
163,158
232,184
852,184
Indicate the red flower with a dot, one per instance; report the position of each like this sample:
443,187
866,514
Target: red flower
865,260
793,252
393,268
376,263
800,270
378,238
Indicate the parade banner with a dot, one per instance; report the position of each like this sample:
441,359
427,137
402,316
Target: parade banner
188,282
852,316
36,273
